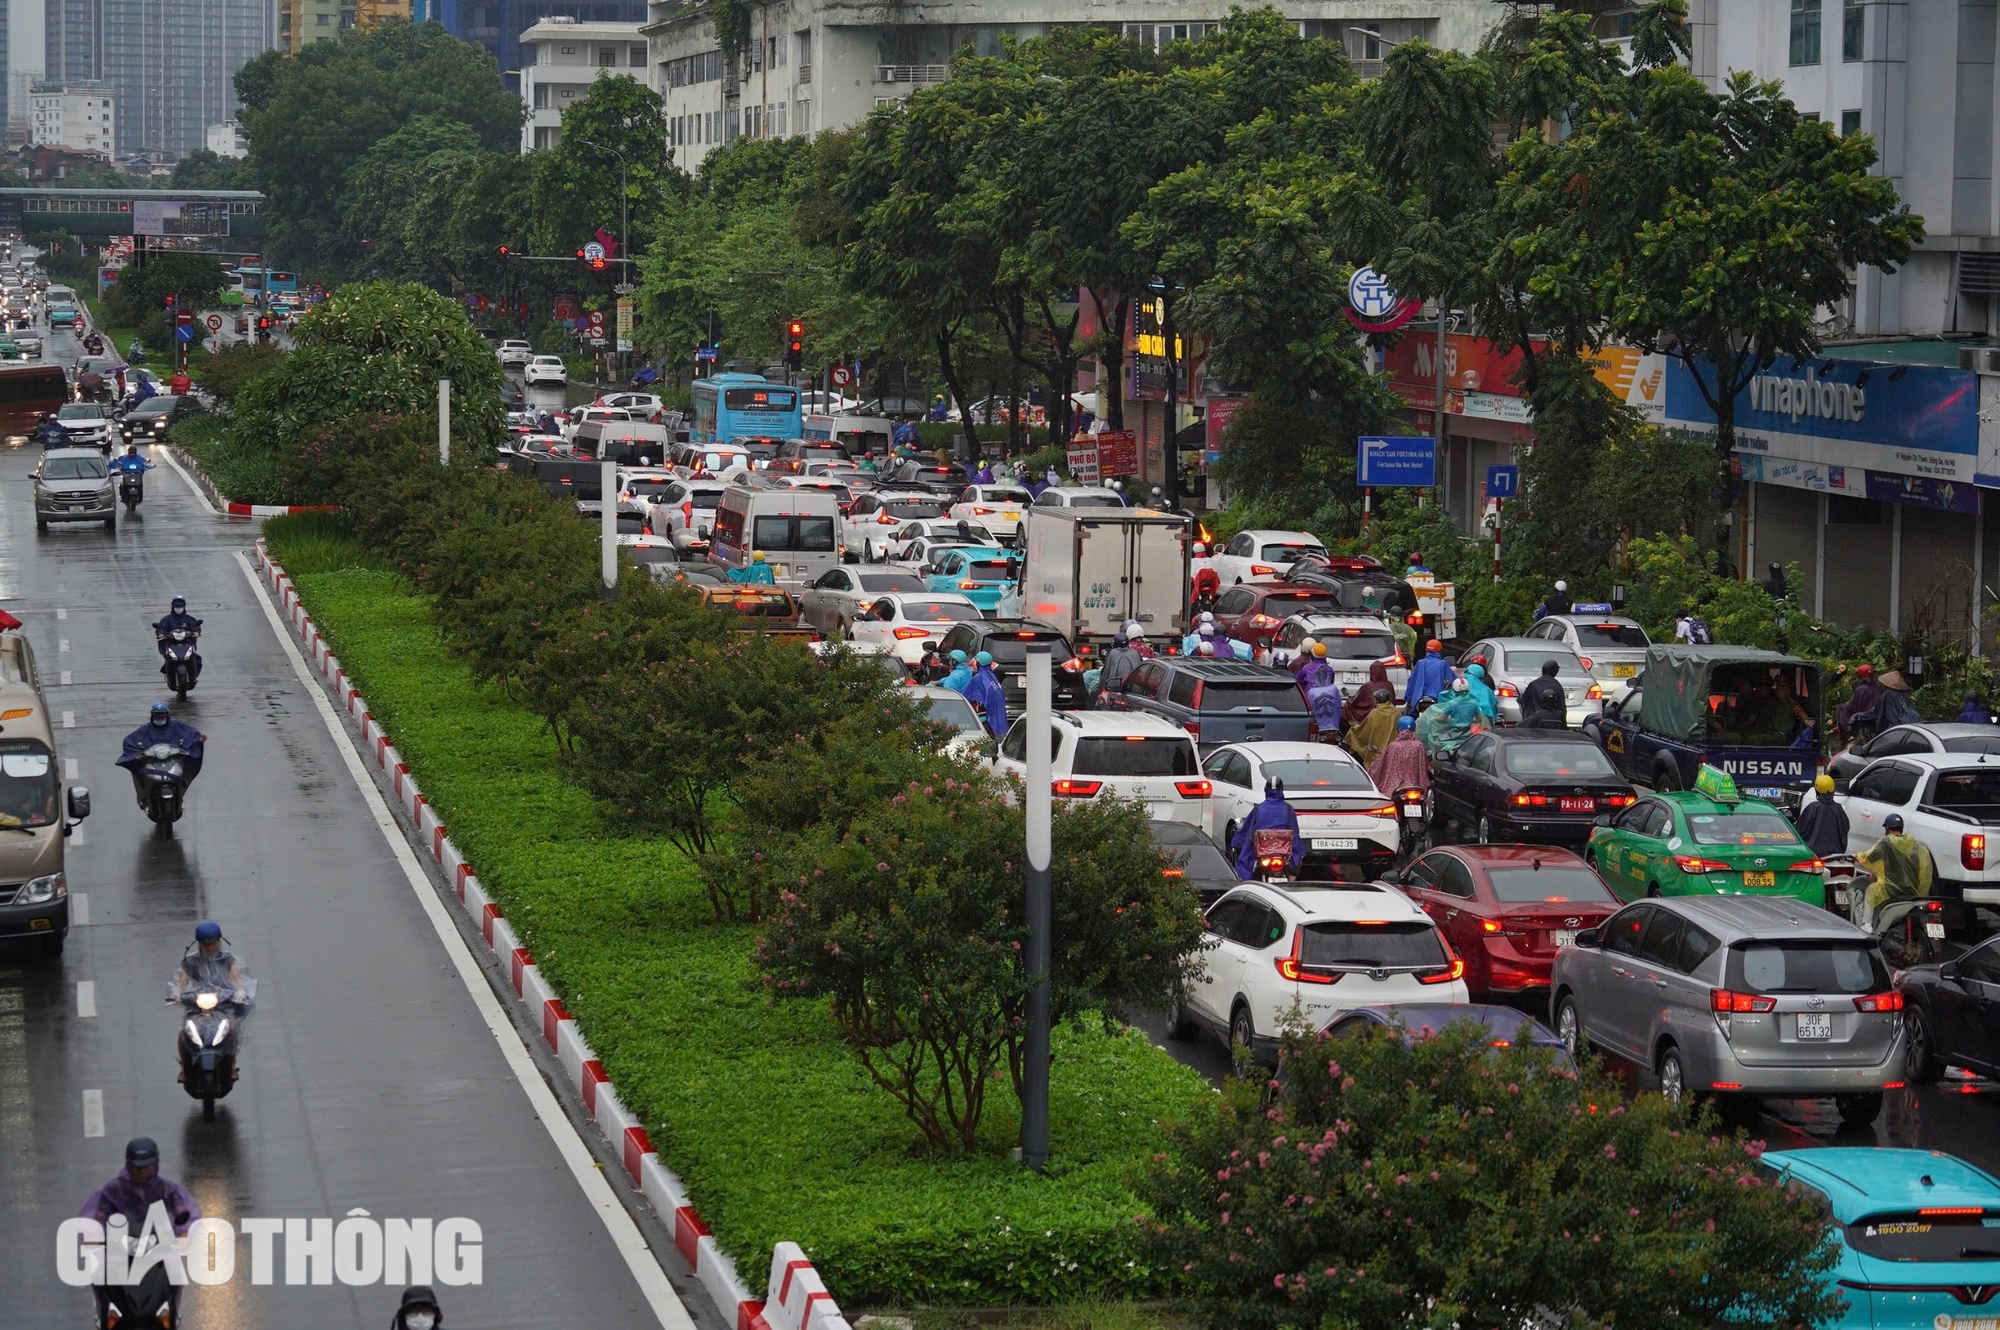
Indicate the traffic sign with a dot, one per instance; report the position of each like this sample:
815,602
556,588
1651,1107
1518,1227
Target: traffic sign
184,332
214,322
592,252
1399,460
704,353
1503,482
184,317
841,376
1370,293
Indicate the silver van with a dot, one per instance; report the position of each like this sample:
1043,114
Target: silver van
626,442
34,893
797,531
1736,995
73,485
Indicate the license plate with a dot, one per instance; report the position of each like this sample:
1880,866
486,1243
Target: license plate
1760,879
1160,812
1770,793
1562,937
1840,897
1623,671
1815,1025
1934,930
1579,805
1011,517
1336,843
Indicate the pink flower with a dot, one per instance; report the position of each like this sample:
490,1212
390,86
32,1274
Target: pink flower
1610,1152
881,867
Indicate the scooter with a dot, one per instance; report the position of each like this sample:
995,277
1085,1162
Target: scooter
1845,880
163,784
1271,847
1413,811
208,1043
131,491
182,663
1910,931
153,1300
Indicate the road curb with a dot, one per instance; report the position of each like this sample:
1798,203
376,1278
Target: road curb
797,1299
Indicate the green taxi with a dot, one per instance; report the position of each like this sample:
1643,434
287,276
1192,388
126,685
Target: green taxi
1708,841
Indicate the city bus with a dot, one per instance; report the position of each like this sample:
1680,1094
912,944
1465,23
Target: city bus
729,406
247,282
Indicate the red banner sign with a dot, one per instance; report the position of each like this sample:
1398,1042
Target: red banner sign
1118,452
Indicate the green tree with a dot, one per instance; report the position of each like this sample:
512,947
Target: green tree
1440,1181
195,280
401,194
202,169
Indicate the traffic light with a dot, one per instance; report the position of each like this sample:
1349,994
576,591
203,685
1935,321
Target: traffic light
171,298
795,344
594,264
503,251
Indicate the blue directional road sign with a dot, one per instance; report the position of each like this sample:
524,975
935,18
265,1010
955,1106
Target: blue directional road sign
1503,482
1408,460
184,332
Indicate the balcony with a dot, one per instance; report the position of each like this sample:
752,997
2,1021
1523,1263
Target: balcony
912,73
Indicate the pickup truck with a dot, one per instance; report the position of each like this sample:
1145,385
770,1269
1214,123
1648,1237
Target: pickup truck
1950,804
1753,714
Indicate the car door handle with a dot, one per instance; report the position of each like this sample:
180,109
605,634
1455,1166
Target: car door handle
1621,972
1451,914
1659,983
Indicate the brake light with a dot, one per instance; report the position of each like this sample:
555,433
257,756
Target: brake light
1290,970
1456,970
911,634
1261,570
1384,810
1620,800
1193,789
1414,797
1489,925
1595,693
1312,730
1953,1210
1694,863
1193,728
1264,621
968,586
977,511
1076,789
1529,800
1173,872
886,520
1721,999
1506,690
1806,866
1972,850
1891,1001
1585,661
1397,659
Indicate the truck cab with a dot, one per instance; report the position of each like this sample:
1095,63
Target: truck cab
1755,715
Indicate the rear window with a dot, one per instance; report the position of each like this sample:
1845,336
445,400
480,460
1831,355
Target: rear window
1135,757
1528,660
907,508
956,712
1412,945
1543,761
1966,789
939,611
890,582
703,498
1927,1237
1974,743
1233,696
989,570
1305,775
1094,501
994,494
1807,966
1287,553
1612,635
645,555
1278,604
807,535
764,604
1521,886
1012,648
1747,829
650,485
1359,644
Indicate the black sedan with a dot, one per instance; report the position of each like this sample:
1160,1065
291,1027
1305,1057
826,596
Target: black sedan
1200,863
155,418
1951,1012
1543,785
938,477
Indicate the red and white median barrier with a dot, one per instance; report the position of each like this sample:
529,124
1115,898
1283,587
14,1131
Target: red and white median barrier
796,1298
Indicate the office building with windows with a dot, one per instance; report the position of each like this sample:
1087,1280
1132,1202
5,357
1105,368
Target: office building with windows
560,58
170,68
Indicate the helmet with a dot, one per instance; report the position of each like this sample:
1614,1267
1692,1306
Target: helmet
160,713
756,556
1119,639
1562,586
1319,651
1207,628
208,931
1433,645
179,603
1460,686
140,1152
984,658
958,656
1823,783
1893,822
1865,670
1405,723
1208,616
1549,667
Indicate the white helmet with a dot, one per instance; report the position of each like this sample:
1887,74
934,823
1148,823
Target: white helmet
1562,586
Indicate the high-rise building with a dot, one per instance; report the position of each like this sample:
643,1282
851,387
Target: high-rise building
76,117
302,22
560,59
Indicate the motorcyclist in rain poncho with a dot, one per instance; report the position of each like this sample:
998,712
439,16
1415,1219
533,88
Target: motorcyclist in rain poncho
985,692
1454,719
1272,814
1903,868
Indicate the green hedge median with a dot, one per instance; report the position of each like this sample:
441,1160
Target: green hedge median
754,1102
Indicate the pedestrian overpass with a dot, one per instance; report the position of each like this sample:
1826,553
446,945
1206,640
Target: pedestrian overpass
98,214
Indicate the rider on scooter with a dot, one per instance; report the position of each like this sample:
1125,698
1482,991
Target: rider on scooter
1902,867
1274,814
132,1193
161,728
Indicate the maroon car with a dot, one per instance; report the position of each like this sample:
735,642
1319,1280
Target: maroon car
1254,611
1507,908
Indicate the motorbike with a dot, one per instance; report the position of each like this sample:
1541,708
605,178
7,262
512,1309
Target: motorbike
153,1300
208,1041
182,663
131,491
1413,810
1910,931
1271,847
163,782
1841,874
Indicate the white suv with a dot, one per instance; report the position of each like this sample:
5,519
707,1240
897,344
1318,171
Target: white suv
1118,755
513,351
1322,948
1262,556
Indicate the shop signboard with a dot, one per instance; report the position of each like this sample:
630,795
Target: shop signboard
1083,460
1118,452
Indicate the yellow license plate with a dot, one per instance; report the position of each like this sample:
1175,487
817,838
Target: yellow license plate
1760,879
1623,671
1012,517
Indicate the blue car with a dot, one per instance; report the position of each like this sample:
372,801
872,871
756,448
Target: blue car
982,574
1919,1234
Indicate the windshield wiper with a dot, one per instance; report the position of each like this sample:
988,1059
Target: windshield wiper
1978,1254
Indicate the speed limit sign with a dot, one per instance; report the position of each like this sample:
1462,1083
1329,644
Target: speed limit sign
841,376
214,322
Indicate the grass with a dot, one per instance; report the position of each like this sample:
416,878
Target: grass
754,1102
243,473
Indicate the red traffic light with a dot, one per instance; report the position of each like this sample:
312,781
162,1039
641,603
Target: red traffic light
795,330
171,299
503,251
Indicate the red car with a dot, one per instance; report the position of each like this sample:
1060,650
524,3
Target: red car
1254,611
1507,908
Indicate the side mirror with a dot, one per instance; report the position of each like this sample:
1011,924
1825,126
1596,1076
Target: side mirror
931,645
1587,938
1948,972
79,803
1603,819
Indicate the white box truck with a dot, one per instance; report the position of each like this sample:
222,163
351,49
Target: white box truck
1089,570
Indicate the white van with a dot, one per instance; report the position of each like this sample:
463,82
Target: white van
798,530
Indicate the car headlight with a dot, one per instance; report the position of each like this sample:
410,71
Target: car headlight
41,890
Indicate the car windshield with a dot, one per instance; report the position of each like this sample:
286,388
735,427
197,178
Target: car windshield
27,784
1928,1237
1357,644
1305,775
1136,755
1741,829
73,468
81,411
1541,761
1012,648
152,406
1528,660
1411,945
890,582
1522,886
1612,635
956,712
939,611
1231,695
1288,552
1807,965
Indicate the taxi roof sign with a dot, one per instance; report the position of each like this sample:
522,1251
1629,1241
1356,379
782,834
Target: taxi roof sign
1717,784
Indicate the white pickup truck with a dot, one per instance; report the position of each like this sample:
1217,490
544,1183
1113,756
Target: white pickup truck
1950,804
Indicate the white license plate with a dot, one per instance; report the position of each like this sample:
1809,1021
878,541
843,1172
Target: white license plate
1563,937
1160,812
1840,897
1815,1025
1934,930
1336,843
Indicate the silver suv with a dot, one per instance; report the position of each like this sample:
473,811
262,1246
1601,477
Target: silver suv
1733,995
72,485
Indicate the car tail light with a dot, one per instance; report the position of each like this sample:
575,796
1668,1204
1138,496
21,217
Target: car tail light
1073,665
1261,570
968,586
1193,789
886,519
1529,800
1935,1210
1383,810
1507,690
1076,789
1489,925
1264,621
1806,866
1694,863
911,634
1396,660
1312,730
1721,999
1193,728
1290,970
1879,1002
1595,693
1620,800
1173,872
977,511
1972,850
1456,970
1585,661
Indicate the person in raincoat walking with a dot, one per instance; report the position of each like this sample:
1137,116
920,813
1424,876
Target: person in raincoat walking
1430,677
985,692
1274,814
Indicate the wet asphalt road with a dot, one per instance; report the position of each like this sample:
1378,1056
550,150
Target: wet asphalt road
369,1079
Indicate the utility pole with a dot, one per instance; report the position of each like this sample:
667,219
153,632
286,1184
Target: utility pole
1037,805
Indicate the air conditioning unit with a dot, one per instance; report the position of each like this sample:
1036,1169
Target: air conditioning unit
1979,359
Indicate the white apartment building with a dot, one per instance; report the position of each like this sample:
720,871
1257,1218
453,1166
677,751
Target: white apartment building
1919,77
825,64
560,58
226,139
79,117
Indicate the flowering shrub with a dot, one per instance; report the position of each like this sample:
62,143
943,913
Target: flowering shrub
1446,1182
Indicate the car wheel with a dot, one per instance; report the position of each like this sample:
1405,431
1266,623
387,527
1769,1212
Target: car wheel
1485,829
1859,1110
1673,1074
111,522
1569,1026
1228,836
1653,890
52,948
1180,1025
1242,1030
1666,776
1922,1060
